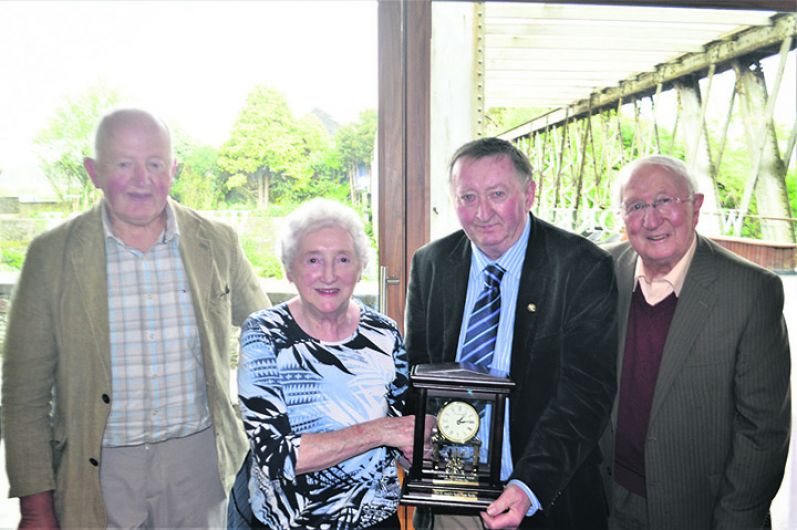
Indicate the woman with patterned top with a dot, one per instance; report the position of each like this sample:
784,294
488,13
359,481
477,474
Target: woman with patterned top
321,381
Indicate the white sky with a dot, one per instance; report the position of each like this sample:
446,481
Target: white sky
192,62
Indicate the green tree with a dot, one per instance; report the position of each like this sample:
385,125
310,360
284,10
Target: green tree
196,182
501,119
355,147
321,175
68,138
264,143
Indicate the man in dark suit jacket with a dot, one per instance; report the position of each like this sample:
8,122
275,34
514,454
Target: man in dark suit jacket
701,428
556,338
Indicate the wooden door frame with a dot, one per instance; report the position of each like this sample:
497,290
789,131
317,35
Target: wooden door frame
405,31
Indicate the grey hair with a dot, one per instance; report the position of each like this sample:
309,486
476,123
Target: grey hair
673,165
316,214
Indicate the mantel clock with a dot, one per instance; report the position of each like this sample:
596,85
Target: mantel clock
464,468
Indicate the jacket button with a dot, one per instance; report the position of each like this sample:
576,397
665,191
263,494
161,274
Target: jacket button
105,398
93,462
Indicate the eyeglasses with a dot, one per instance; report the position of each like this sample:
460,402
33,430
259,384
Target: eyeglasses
663,205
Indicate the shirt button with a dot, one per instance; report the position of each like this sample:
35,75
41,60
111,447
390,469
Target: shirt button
93,462
105,398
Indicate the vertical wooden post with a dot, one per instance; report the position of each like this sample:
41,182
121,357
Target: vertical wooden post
403,142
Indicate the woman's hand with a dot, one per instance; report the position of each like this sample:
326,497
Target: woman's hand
404,436
323,450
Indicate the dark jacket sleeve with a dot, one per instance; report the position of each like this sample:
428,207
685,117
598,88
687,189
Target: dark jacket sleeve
569,384
415,314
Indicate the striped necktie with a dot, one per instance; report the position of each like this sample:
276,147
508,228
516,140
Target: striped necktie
480,337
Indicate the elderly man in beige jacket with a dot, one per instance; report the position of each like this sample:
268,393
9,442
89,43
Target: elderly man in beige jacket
115,396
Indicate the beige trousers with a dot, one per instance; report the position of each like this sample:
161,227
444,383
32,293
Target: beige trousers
458,522
171,484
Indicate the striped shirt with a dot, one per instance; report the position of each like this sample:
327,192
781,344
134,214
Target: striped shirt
512,262
157,373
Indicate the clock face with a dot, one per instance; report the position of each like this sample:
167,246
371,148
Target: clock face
458,421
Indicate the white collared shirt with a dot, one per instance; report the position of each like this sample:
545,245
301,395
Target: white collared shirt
658,289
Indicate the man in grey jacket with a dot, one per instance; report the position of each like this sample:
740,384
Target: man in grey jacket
700,431
116,406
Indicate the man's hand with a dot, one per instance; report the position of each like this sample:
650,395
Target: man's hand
37,511
508,510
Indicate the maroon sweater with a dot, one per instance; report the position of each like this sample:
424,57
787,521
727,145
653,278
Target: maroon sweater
645,337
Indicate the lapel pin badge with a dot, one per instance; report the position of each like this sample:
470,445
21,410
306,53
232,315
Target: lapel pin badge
531,308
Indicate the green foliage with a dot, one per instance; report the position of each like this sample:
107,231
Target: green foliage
501,119
355,142
12,254
317,178
294,192
315,140
567,182
355,145
265,142
273,158
68,138
732,174
196,184
262,258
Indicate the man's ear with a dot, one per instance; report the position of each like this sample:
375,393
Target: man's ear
91,168
696,204
531,192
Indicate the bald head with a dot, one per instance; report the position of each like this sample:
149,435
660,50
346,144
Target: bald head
117,121
135,170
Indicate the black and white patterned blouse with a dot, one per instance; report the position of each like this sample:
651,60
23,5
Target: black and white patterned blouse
290,383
